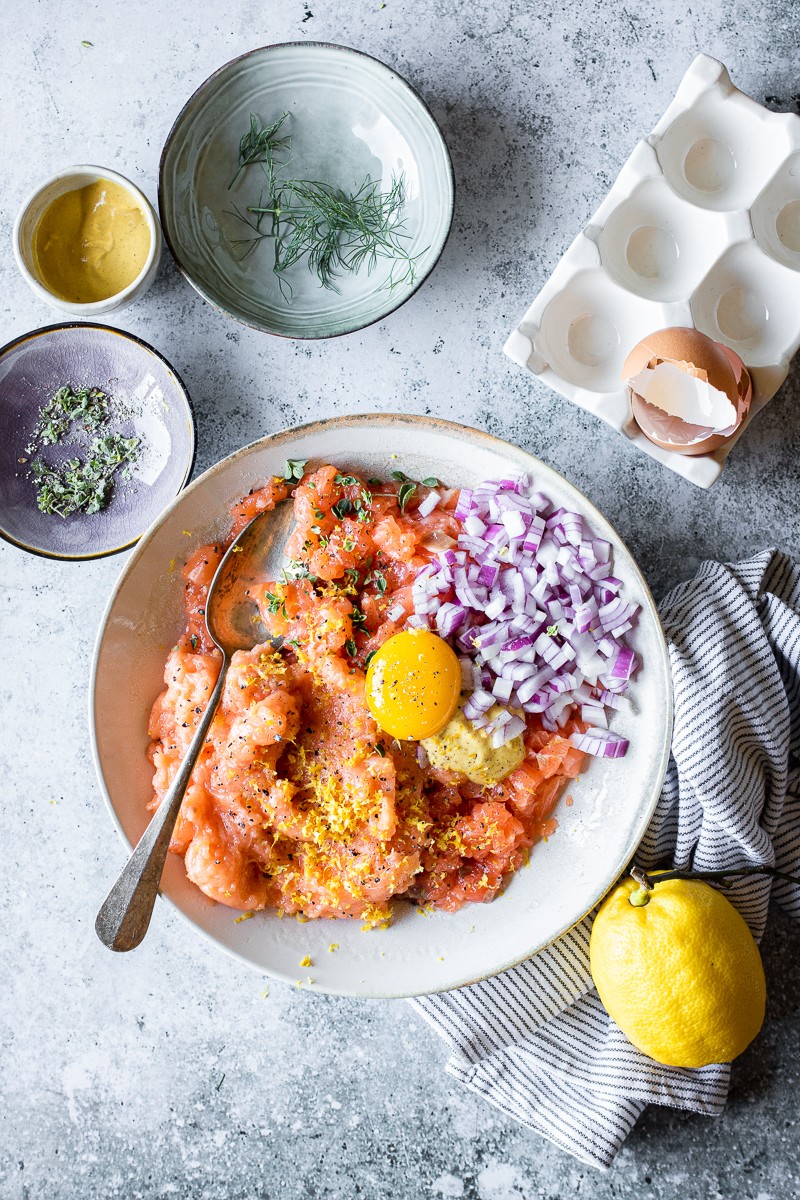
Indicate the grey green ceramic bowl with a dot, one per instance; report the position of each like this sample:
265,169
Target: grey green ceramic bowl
349,117
148,401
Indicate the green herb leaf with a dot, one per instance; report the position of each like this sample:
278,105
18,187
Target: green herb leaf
351,647
295,467
381,749
80,485
193,641
431,481
345,480
342,508
404,495
551,630
369,657
399,477
275,604
380,580
295,569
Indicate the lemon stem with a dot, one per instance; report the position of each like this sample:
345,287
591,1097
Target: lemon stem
724,878
641,896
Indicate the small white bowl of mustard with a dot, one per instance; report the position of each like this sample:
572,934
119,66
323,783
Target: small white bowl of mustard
87,241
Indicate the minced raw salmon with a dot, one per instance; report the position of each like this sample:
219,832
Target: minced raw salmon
298,801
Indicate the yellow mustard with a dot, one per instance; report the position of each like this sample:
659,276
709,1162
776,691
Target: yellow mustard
463,748
91,242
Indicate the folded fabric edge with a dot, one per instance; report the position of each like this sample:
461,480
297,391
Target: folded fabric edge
711,1103
600,1158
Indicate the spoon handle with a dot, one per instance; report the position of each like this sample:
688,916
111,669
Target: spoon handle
125,913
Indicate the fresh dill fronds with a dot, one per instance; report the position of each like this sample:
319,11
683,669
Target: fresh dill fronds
333,231
337,233
260,145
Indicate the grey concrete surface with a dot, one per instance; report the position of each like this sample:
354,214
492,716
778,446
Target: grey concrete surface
175,1072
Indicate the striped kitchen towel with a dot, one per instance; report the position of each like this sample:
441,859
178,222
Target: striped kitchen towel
536,1041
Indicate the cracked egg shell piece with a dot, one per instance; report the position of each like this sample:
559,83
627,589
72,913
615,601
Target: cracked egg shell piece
708,362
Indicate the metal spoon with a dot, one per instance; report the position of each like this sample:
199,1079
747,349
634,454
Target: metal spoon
232,622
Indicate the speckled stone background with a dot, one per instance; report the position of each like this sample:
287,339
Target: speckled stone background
175,1072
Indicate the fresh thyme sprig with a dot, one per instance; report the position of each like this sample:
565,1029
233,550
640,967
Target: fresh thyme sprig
333,231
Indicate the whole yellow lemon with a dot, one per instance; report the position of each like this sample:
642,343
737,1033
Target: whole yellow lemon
681,975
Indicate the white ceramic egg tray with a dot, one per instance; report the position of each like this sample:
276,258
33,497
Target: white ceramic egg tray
701,227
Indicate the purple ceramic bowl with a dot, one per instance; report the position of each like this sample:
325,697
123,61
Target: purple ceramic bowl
154,406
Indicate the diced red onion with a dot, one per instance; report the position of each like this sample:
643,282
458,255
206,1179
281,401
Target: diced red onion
594,714
487,574
479,702
600,743
514,523
418,621
474,526
449,618
495,606
521,566
515,727
429,504
534,534
624,664
464,504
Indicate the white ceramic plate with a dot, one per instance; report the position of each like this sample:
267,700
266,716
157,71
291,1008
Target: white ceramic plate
568,874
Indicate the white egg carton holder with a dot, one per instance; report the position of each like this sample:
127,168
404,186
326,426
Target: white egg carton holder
701,227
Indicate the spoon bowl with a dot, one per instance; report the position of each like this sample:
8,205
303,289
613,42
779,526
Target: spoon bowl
232,615
233,623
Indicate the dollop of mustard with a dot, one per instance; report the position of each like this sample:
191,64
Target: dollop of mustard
463,748
91,242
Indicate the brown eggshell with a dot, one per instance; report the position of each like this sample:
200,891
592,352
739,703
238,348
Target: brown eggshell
671,433
743,382
723,369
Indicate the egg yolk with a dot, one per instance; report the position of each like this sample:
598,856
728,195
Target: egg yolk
413,684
